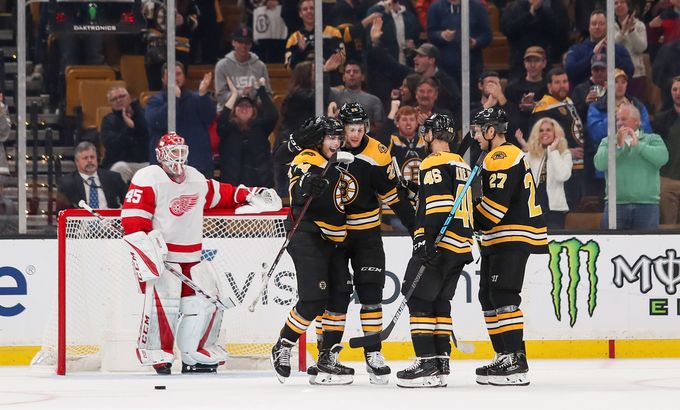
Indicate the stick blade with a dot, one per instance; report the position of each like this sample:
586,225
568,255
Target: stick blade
363,341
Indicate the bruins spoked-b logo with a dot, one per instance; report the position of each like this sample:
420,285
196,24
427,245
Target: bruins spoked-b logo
411,169
346,191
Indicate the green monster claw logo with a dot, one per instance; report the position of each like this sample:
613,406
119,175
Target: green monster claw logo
573,248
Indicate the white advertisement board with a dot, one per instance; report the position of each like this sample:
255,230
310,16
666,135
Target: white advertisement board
588,287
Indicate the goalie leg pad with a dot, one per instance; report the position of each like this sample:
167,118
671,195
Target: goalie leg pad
195,329
148,253
159,320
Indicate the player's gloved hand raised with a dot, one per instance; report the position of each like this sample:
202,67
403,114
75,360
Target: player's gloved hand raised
313,185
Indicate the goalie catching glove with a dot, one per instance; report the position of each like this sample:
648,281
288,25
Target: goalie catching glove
259,200
148,252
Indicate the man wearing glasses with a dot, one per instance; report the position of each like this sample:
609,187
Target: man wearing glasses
124,135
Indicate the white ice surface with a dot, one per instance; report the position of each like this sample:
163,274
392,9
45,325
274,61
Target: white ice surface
641,384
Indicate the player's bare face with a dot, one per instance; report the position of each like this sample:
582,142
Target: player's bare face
330,145
478,135
546,133
86,162
406,124
307,13
354,133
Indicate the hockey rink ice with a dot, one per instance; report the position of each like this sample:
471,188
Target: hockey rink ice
555,384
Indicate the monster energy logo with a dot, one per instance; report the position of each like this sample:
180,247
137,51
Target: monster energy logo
574,248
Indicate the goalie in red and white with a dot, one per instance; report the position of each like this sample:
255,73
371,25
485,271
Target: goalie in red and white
163,218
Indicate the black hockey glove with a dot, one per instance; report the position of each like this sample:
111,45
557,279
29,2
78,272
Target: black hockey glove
313,185
433,255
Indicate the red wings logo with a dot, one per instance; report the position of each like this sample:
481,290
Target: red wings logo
183,204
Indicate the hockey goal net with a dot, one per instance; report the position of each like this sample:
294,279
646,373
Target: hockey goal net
95,323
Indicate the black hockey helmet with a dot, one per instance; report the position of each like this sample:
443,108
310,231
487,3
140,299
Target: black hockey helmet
495,116
353,113
313,130
443,127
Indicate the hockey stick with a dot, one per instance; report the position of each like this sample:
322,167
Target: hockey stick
215,300
385,333
340,157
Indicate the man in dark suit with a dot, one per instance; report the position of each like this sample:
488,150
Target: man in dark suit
100,188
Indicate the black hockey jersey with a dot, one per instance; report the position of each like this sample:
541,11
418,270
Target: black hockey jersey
508,214
442,178
327,212
409,155
369,180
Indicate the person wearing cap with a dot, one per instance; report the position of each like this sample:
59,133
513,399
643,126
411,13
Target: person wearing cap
528,23
525,91
444,31
589,91
597,125
242,66
577,64
244,128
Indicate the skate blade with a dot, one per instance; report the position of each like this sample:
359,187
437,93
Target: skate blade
332,379
281,378
443,380
483,380
518,379
379,379
427,381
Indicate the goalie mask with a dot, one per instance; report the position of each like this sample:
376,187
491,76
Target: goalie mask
172,152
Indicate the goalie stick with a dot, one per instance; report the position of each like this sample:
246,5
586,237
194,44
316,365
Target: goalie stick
340,157
385,333
215,300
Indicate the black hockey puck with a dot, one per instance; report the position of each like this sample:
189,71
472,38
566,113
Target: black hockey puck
159,387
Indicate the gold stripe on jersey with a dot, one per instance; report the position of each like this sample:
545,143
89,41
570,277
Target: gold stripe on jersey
492,210
515,233
503,158
334,233
396,141
362,221
419,231
318,326
375,153
390,197
442,158
371,322
309,156
456,243
438,204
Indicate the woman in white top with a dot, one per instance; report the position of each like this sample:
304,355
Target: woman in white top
550,162
632,34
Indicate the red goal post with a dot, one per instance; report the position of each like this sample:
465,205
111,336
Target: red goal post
98,309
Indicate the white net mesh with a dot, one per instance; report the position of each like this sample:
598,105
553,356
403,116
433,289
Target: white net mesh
103,303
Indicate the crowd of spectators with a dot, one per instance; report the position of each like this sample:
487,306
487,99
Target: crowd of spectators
402,57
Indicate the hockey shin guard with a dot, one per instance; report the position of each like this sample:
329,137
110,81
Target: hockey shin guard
333,328
511,327
159,319
491,320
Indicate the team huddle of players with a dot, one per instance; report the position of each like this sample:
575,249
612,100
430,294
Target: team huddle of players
337,205
341,228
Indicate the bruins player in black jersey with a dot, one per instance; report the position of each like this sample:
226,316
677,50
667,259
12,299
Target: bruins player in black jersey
320,266
512,227
369,180
442,178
